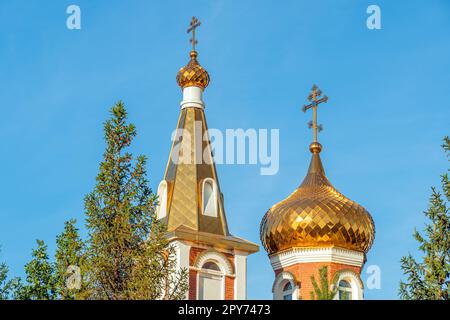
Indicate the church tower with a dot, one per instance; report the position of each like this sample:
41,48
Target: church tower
317,226
192,204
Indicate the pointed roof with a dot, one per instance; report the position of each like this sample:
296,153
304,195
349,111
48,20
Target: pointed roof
186,173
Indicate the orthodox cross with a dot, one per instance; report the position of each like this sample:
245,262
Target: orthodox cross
315,101
192,26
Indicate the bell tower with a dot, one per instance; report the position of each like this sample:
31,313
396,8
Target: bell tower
192,203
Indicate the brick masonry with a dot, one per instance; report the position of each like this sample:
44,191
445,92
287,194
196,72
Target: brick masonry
192,285
303,272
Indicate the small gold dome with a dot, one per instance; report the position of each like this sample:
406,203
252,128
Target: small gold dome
193,74
317,215
315,147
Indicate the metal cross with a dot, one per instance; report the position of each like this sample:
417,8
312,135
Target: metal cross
192,26
313,97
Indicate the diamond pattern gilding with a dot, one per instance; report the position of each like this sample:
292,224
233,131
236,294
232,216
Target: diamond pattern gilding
193,74
317,215
183,210
186,176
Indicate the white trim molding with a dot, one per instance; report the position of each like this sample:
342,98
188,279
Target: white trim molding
240,270
182,251
305,255
219,258
192,98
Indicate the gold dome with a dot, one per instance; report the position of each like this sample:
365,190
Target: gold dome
193,74
317,215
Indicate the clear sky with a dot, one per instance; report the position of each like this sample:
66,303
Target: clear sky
383,125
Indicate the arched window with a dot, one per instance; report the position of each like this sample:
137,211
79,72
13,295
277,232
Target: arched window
211,282
211,266
209,198
345,290
287,291
285,287
162,199
349,285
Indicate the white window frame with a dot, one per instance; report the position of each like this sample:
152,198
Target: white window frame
290,291
213,273
161,210
214,195
348,290
279,283
355,283
225,266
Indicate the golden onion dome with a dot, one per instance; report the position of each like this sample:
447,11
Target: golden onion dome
317,215
193,74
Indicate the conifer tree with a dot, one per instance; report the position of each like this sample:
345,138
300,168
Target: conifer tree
40,281
6,286
430,278
69,262
322,290
127,248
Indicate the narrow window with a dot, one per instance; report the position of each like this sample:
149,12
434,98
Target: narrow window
162,199
287,291
209,198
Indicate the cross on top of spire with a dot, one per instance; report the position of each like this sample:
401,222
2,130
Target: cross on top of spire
315,99
192,26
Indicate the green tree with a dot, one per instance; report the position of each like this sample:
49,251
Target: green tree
430,278
69,262
323,290
127,247
40,280
6,286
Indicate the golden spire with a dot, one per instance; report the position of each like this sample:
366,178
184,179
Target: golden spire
315,147
193,74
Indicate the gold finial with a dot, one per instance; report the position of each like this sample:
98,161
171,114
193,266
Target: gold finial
314,96
193,74
192,26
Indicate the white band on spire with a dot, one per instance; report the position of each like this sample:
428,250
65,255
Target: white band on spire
192,98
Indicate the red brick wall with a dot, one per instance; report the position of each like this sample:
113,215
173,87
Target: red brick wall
192,285
193,254
229,281
229,288
303,272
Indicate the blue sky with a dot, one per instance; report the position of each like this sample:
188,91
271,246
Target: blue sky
384,123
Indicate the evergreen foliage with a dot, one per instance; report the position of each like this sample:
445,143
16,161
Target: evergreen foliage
430,278
323,290
40,280
126,255
70,262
